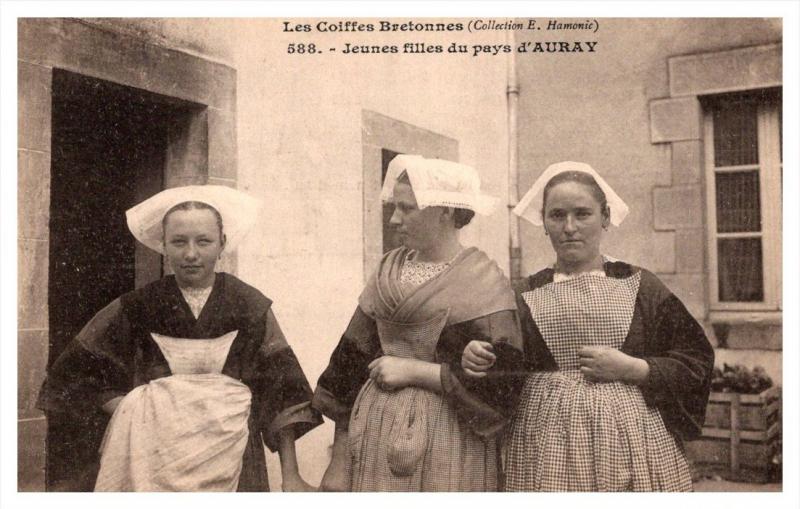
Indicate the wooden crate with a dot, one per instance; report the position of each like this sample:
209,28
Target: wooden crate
740,436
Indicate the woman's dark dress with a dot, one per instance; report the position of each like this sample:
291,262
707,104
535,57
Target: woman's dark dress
115,353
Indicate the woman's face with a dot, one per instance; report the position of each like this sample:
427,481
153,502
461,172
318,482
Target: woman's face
417,229
193,245
575,223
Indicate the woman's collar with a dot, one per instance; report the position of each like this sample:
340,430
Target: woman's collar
598,271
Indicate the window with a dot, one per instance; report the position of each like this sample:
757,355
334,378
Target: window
743,191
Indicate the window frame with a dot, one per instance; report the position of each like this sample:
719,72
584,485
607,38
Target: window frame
769,168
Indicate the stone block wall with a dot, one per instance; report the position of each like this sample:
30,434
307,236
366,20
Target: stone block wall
636,117
202,149
676,121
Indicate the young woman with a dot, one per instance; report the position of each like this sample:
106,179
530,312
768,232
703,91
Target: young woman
407,417
620,370
193,369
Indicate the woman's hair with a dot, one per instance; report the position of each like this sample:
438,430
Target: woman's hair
581,178
403,179
194,205
461,217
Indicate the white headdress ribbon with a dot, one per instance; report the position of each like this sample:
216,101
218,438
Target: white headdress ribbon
239,212
530,207
439,183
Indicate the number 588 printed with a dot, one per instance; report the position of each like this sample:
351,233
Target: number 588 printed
302,48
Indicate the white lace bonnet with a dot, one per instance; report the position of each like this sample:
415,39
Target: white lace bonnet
439,183
530,207
239,212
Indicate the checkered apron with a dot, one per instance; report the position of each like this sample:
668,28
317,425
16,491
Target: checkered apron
411,439
570,434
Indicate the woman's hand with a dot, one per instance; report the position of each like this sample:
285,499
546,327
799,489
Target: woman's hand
337,475
335,478
605,364
477,358
392,373
294,482
290,474
111,405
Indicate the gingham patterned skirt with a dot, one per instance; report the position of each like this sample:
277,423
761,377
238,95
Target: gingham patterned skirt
411,440
573,435
569,434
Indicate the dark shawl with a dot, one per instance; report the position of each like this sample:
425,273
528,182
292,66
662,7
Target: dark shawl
115,353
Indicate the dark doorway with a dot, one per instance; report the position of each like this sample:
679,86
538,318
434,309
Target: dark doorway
109,148
389,234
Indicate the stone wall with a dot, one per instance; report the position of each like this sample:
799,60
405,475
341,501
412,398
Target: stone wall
202,149
295,132
632,111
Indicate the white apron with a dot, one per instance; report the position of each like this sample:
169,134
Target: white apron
184,432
